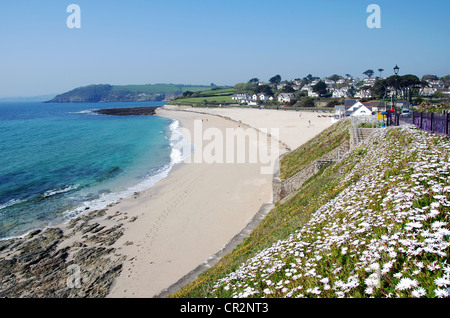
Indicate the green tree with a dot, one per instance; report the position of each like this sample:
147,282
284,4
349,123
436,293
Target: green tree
335,77
308,102
265,89
446,80
379,89
188,94
288,89
254,80
275,80
369,73
429,77
320,88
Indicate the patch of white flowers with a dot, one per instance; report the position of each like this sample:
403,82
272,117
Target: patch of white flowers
384,235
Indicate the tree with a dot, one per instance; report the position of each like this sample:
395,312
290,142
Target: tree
308,102
429,77
446,80
264,89
379,89
320,88
369,73
381,71
275,80
407,83
288,89
254,80
335,77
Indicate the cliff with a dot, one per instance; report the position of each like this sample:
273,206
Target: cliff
123,93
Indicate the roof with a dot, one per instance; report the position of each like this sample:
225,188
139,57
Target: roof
350,102
374,103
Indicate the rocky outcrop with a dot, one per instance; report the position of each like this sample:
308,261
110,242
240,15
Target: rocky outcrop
132,111
53,264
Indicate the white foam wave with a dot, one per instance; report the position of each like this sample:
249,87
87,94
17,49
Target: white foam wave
181,150
50,193
86,111
11,203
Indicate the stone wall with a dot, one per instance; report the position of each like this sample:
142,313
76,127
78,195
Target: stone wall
283,189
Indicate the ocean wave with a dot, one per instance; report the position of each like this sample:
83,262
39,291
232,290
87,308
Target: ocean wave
86,111
11,203
181,150
53,192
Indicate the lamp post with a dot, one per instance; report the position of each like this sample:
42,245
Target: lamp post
396,69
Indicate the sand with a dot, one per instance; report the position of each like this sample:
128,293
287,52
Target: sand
200,207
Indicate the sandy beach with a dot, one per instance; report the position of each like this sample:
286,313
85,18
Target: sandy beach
199,208
153,242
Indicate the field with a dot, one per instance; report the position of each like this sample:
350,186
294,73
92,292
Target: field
214,96
161,88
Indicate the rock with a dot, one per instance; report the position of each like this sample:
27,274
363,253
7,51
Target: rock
37,267
132,111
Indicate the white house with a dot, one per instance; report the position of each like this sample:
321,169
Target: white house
242,98
329,82
256,97
285,97
341,93
361,111
363,93
369,81
427,91
263,97
311,93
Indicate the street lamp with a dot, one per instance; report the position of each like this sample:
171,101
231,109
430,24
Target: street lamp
396,69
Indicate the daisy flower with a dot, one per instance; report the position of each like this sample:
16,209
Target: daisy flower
419,292
406,283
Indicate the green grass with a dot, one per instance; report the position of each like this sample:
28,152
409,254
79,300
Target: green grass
160,88
325,142
213,96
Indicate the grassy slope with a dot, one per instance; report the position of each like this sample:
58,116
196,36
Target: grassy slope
222,95
160,88
322,144
373,225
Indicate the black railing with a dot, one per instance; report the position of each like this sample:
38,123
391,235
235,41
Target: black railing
392,119
433,122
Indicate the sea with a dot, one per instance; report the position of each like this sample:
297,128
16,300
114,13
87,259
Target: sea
58,160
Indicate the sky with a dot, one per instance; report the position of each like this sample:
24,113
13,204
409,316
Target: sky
208,41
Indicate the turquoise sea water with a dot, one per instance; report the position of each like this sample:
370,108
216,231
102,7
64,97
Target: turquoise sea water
58,159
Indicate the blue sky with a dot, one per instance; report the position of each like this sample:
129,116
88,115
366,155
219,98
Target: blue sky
204,41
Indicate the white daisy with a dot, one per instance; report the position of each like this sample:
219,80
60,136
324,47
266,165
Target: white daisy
406,283
419,292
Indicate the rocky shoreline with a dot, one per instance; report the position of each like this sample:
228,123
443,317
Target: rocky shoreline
73,261
131,111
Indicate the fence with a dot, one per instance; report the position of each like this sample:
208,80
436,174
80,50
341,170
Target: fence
392,119
432,122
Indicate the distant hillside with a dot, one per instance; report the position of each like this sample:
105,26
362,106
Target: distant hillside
124,93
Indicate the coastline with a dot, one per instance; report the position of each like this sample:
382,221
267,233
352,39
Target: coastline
188,218
144,245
